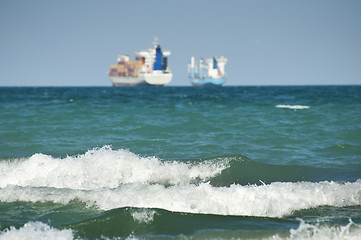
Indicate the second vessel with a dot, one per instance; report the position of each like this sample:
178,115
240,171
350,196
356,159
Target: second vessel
212,73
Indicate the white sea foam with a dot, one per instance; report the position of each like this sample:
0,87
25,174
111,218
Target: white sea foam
100,168
318,231
143,215
110,179
36,230
295,107
274,200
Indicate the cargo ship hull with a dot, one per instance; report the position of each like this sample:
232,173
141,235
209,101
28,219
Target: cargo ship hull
142,80
127,81
207,81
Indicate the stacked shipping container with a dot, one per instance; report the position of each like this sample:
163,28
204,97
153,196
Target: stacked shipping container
127,68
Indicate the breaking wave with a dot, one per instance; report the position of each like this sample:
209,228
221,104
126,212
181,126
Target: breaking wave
274,200
100,168
109,179
321,231
38,230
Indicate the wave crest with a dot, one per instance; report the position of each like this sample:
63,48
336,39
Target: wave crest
36,230
103,167
274,200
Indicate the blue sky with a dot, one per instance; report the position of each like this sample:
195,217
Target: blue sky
282,42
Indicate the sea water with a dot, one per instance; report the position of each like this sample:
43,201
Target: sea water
180,163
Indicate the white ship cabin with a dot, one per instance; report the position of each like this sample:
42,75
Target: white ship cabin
150,57
214,67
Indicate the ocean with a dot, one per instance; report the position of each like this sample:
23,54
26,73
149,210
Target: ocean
180,162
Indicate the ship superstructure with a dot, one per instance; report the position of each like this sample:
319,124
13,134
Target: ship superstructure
149,68
208,72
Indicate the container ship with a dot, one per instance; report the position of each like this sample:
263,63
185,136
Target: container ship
210,72
150,68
